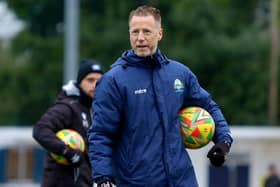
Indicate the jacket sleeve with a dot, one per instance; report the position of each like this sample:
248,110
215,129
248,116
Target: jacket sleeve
44,131
106,119
197,96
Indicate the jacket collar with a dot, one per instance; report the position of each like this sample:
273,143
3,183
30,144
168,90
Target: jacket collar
129,58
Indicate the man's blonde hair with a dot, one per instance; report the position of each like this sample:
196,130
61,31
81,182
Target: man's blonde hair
146,11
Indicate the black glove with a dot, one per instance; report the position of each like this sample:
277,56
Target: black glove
73,156
218,153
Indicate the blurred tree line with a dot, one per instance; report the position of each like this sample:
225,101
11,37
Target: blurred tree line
225,43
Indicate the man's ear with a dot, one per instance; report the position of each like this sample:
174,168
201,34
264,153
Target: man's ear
160,34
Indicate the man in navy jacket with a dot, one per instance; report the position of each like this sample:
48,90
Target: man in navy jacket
135,139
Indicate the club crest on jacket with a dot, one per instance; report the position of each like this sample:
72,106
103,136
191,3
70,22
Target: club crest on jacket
84,120
178,86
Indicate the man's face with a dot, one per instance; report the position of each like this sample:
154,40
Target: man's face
145,33
89,82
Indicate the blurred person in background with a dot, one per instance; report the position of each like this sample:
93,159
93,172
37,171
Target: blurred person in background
272,180
135,139
71,110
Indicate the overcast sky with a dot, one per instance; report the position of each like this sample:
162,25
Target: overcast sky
10,25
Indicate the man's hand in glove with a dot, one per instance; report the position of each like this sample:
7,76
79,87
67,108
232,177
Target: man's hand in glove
218,153
104,182
73,156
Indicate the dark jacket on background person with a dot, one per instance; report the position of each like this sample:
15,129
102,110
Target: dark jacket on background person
70,111
272,181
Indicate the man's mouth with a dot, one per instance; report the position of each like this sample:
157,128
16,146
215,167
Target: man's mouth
141,46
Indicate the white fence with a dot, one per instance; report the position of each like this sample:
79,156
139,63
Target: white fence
253,147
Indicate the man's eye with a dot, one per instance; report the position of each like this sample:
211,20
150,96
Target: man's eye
147,33
134,32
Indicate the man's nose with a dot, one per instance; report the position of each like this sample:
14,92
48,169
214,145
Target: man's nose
141,36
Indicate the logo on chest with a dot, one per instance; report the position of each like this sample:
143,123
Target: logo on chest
140,91
178,86
85,121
